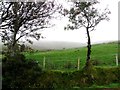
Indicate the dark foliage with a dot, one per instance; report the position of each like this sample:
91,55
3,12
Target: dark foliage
19,72
81,79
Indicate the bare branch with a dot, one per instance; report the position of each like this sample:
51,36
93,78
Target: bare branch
25,19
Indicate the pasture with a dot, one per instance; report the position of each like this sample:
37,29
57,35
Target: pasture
102,55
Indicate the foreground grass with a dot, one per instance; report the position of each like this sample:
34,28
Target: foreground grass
112,85
115,86
102,55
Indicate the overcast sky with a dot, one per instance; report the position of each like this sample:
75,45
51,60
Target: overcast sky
105,31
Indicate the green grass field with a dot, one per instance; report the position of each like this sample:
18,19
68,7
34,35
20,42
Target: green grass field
101,55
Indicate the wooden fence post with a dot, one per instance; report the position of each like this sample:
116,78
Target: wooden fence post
44,63
116,59
78,67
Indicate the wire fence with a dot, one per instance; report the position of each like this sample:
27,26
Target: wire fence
49,63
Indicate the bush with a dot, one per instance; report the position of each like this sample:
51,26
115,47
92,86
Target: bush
82,78
19,72
53,79
107,75
95,75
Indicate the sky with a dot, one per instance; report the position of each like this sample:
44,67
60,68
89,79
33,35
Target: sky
105,31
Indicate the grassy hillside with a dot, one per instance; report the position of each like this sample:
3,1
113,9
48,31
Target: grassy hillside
102,55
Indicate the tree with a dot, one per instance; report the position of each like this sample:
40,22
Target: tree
24,20
84,14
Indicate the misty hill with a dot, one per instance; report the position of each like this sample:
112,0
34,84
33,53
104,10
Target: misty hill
51,45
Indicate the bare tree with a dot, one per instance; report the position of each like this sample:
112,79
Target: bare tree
24,19
84,14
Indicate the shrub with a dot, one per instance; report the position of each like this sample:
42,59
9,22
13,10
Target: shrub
53,79
107,75
95,75
19,72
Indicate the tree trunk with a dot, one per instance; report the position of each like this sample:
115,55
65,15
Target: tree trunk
16,27
88,48
14,42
